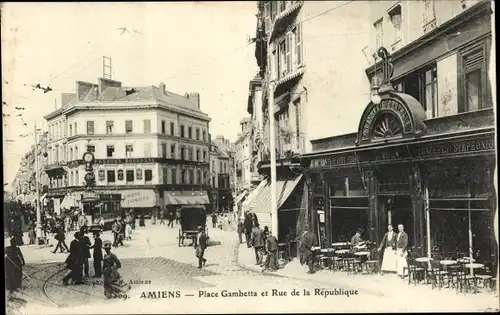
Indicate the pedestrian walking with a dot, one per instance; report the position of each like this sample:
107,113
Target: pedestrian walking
115,229
200,245
271,248
248,230
17,230
13,262
31,232
177,217
171,218
162,216
141,220
85,248
61,239
121,236
258,243
214,220
113,282
307,241
97,247
128,228
74,262
240,230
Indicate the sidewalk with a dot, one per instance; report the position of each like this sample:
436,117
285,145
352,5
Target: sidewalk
418,298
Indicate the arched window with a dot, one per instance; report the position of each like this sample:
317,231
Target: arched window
387,125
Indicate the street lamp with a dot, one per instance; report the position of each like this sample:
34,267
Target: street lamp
374,94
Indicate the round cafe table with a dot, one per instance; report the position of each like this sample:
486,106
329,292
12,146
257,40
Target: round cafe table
424,259
362,253
342,251
474,266
327,250
447,262
466,260
340,244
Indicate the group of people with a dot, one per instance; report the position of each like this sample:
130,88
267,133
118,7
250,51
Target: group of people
122,230
393,250
105,266
221,221
265,244
170,216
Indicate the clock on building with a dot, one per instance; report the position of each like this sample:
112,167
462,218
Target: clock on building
88,157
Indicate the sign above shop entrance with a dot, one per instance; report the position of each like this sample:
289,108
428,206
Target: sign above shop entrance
397,116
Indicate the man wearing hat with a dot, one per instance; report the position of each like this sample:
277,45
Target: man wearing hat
200,245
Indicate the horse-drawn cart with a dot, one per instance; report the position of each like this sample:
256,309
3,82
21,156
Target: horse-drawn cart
190,218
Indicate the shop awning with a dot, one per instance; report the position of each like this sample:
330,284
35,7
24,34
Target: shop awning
284,187
25,199
186,198
240,197
68,202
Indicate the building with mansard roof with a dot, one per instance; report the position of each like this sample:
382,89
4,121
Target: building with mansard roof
150,145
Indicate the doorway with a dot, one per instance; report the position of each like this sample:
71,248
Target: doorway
396,209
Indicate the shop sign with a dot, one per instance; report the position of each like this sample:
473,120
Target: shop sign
458,147
138,198
333,160
387,105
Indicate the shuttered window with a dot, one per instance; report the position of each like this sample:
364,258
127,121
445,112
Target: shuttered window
298,46
474,78
267,16
288,44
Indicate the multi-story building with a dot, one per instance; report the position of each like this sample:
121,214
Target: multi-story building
24,183
244,156
221,168
302,62
424,152
150,145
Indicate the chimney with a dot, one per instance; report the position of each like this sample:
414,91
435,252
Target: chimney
194,97
105,83
82,88
162,87
66,98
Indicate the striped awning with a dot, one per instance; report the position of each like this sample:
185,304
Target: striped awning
240,197
186,198
26,199
284,187
68,202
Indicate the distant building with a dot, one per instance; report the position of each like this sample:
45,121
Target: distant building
150,145
221,168
244,156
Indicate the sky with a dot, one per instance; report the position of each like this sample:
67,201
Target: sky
192,47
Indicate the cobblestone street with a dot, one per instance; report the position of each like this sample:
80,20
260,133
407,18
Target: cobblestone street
154,260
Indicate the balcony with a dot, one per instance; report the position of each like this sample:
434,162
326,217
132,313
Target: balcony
56,167
285,17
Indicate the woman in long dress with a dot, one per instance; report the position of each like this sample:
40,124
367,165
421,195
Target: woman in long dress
14,262
31,233
113,282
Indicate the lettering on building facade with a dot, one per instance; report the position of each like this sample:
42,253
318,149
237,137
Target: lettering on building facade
387,105
403,153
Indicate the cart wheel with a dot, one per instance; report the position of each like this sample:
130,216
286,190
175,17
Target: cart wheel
179,237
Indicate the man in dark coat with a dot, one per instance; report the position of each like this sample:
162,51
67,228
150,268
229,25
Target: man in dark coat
240,230
248,230
258,239
115,229
85,247
61,239
307,241
97,255
272,251
74,261
200,245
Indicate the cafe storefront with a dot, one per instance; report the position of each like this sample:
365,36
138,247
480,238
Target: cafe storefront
434,176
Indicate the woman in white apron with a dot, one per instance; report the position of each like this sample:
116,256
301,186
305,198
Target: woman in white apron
388,249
